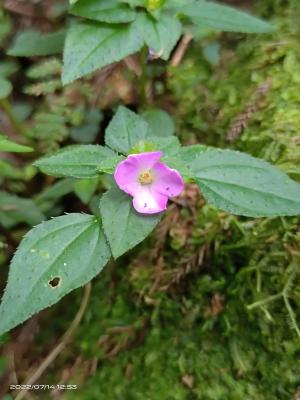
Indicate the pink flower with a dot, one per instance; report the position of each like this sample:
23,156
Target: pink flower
149,181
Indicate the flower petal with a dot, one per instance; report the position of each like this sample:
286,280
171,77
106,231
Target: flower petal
146,160
167,181
147,201
126,175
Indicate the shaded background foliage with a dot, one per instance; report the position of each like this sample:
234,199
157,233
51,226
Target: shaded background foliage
207,307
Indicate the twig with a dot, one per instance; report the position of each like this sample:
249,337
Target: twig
181,49
133,64
61,345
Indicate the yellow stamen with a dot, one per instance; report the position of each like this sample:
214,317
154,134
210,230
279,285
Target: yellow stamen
146,178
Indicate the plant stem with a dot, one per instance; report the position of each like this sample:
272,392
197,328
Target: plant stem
6,107
264,301
143,77
291,314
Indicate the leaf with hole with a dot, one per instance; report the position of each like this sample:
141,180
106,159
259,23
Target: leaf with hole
78,161
53,259
244,185
123,226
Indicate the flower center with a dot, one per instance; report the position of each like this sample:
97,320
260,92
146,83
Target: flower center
145,178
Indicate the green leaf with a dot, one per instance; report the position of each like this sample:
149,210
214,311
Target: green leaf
78,161
5,27
53,259
173,162
182,159
22,110
160,35
125,130
188,154
48,199
15,210
160,122
57,190
49,127
179,165
8,145
170,146
91,45
10,171
244,185
175,4
45,68
34,43
123,226
5,88
135,3
43,88
224,18
8,68
85,189
211,53
110,11
108,166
